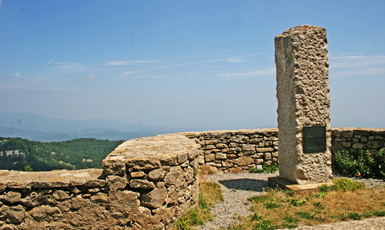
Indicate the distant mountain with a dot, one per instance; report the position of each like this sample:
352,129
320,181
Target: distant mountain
40,128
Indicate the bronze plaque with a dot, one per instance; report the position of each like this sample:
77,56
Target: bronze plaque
314,139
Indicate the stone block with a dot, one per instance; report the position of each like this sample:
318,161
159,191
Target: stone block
137,174
375,144
155,198
220,156
209,158
358,146
157,174
142,184
244,161
263,150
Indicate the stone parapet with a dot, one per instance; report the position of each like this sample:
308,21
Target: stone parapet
148,183
226,151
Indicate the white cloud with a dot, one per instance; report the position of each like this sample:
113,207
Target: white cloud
50,60
130,62
91,77
128,73
17,74
344,66
234,60
117,63
256,73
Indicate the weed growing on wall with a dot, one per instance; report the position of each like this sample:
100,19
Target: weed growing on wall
359,163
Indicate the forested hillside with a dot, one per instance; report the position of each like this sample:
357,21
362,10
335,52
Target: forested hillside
17,153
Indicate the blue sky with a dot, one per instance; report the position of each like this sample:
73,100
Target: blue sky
198,63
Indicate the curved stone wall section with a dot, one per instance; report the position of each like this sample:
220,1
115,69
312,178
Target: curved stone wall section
159,174
54,200
236,150
146,183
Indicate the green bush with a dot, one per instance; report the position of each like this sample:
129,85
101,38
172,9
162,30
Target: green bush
344,184
359,163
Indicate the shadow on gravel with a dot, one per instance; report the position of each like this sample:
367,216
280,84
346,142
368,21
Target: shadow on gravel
245,184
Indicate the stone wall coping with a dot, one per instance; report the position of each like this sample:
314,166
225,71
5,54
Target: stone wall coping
237,131
51,179
358,128
159,146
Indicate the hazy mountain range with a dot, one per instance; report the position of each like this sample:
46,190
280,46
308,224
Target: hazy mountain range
40,128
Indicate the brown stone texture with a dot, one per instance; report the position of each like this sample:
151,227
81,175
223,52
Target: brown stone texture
87,199
301,57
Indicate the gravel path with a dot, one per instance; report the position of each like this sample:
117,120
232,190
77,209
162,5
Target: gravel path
236,188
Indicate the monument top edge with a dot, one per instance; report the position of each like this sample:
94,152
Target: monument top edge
301,29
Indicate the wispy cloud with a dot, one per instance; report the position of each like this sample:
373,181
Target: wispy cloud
235,60
130,62
50,61
91,77
128,73
350,65
17,74
68,67
231,59
256,73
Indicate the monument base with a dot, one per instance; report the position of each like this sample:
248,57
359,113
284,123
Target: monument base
274,182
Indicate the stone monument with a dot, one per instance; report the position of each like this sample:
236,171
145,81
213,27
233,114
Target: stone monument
301,57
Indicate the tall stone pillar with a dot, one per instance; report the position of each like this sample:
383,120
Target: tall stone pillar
301,57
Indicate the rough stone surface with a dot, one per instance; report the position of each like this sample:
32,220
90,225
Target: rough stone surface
301,57
87,199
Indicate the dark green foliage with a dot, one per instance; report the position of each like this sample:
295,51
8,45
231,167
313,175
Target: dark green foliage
296,202
271,205
264,225
379,213
305,215
43,156
361,163
290,221
28,168
324,188
354,216
256,217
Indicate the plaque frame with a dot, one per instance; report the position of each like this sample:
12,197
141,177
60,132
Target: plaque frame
314,139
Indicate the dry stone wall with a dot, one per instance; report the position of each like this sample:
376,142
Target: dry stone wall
359,139
236,150
146,183
227,151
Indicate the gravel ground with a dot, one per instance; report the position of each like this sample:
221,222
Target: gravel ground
236,188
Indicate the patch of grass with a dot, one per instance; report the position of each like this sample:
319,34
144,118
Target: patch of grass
346,201
344,184
271,205
305,215
209,194
354,216
264,225
273,167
